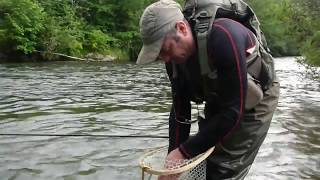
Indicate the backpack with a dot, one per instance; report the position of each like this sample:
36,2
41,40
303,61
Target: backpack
201,14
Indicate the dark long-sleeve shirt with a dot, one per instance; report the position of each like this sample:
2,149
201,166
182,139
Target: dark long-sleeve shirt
228,45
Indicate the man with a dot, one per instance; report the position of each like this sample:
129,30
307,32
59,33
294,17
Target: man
235,130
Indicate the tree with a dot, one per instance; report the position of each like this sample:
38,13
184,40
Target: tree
21,22
273,16
304,21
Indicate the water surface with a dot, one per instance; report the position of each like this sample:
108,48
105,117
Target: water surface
125,99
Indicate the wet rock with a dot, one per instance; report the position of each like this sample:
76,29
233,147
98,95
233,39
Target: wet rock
99,57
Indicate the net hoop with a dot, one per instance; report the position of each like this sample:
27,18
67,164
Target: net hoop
192,163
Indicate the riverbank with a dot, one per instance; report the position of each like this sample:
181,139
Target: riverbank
40,56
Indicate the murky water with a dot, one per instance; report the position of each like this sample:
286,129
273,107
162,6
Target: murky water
125,99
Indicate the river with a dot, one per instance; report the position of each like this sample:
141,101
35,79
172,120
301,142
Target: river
125,99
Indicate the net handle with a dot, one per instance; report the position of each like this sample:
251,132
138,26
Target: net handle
198,160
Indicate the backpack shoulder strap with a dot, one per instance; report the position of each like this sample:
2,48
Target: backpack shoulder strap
202,28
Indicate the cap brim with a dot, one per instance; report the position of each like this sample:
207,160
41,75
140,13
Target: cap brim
150,52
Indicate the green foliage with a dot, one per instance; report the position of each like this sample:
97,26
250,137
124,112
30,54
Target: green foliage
311,49
291,27
73,27
79,27
131,42
116,19
98,26
273,16
99,42
20,24
304,24
64,30
3,39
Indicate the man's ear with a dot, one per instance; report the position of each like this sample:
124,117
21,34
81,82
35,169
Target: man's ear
181,27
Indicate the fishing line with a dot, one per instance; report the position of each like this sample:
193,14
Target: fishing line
87,135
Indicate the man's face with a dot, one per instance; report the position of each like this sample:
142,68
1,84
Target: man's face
177,47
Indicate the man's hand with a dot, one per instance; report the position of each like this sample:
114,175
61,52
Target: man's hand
173,156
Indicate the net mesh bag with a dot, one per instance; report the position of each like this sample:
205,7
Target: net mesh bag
155,166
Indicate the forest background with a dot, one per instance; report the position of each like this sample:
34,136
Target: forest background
111,27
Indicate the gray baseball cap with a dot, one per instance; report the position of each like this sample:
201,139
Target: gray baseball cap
156,21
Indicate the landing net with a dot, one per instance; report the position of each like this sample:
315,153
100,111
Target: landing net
154,166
